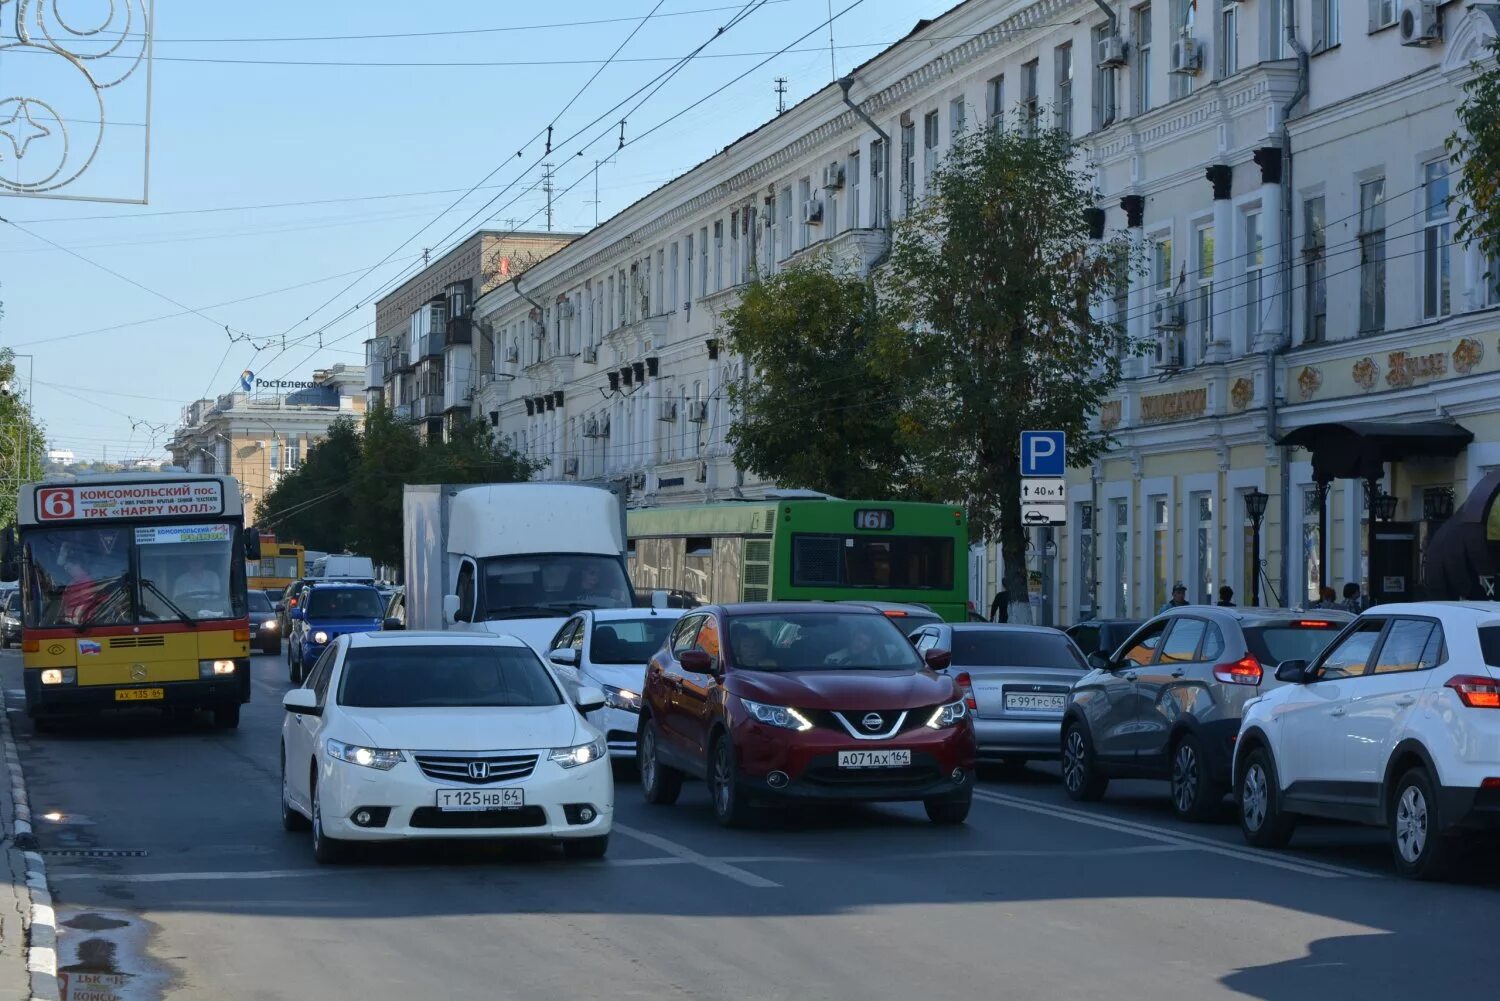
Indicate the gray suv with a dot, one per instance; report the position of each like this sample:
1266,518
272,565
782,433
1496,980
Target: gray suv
1167,704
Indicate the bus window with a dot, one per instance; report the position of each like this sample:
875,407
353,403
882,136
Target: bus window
906,562
78,576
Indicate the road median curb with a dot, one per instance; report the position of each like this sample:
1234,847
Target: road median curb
39,917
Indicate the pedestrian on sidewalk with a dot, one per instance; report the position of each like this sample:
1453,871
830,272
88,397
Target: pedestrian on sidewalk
1226,597
1178,599
1000,607
1326,598
1354,602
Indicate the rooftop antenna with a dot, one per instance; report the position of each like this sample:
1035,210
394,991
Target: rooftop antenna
547,187
832,65
780,95
595,202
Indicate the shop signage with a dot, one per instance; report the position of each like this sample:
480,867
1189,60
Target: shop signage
1181,405
1403,369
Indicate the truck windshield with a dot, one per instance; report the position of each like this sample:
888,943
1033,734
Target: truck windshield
87,576
552,584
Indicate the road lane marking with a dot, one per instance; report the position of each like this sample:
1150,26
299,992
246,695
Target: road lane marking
1246,853
688,855
188,877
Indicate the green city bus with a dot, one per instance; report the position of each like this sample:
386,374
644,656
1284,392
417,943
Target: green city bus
804,550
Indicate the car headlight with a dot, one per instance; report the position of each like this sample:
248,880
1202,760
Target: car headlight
60,676
579,754
270,624
621,698
320,637
368,757
215,668
782,716
946,716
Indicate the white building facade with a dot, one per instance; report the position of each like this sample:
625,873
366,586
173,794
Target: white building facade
1281,167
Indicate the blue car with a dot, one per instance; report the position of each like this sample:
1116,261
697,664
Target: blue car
324,612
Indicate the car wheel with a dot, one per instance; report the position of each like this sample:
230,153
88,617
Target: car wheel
1262,821
948,812
1421,851
730,806
1195,795
291,820
326,850
227,717
586,848
1080,771
660,784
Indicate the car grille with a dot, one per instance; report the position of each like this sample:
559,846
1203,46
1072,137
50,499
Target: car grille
432,817
476,769
915,720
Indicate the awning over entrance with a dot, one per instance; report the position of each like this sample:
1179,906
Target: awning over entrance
1358,450
1463,555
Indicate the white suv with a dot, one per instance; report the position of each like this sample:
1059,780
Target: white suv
1396,724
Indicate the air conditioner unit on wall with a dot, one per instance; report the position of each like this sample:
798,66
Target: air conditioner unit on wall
697,411
591,428
668,411
1111,52
638,481
833,176
570,466
1168,314
702,476
591,354
1420,21
512,354
1185,56
812,210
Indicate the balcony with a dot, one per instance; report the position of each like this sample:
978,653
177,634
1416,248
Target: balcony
402,411
430,405
432,345
460,330
375,374
397,362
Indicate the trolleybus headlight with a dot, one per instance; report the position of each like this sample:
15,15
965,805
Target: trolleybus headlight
215,668
60,676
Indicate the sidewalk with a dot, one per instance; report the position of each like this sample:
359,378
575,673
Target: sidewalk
28,934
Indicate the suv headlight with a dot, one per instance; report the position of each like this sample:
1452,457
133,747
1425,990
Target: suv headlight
621,698
320,637
578,754
368,757
782,716
948,715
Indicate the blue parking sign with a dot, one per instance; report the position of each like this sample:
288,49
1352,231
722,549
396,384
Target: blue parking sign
1044,453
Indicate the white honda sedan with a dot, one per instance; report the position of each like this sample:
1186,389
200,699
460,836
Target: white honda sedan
441,735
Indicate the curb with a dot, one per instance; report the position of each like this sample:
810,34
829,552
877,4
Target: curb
41,949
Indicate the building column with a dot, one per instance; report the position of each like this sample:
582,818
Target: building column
1272,228
1138,322
1221,176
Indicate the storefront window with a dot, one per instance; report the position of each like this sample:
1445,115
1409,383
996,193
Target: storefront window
1203,579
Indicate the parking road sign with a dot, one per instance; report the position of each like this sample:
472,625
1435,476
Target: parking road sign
1044,453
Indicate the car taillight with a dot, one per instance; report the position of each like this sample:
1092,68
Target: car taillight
1242,672
967,688
1309,624
1476,691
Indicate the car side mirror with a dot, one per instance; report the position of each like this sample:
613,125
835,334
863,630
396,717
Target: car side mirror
303,701
450,608
393,624
1099,661
279,607
661,599
588,699
564,655
696,662
938,659
1292,671
252,544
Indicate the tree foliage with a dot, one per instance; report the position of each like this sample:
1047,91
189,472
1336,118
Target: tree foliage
1475,151
822,411
23,441
347,494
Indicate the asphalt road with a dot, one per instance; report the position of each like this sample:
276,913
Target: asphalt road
174,878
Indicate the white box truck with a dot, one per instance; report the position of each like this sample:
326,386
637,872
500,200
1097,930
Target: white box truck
516,558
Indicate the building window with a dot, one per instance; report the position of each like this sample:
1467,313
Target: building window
1382,14
293,453
851,174
718,254
1493,279
1122,561
908,168
1372,256
831,210
1255,259
1315,271
1326,26
1204,547
1184,13
1161,264
734,247
1312,549
1085,575
1104,85
1437,238
956,122
1062,62
702,261
275,458
879,206
673,301
1031,109
786,223
929,148
1141,32
1203,301
1274,42
1229,38
1161,530
994,102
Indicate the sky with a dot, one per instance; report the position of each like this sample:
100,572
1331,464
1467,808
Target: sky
237,131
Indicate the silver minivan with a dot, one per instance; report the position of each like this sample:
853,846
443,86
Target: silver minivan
1167,704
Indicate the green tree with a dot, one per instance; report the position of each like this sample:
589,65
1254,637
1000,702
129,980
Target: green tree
1000,288
23,441
310,504
823,409
391,455
1475,151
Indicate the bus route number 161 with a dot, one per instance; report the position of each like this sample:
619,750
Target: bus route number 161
874,519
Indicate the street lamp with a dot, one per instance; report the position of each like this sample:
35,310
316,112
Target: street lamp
215,458
1437,504
1384,507
1255,507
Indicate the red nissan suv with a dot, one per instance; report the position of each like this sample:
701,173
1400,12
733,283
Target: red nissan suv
787,701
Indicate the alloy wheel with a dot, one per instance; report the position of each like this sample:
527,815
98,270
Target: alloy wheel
1254,797
648,759
1073,761
1411,824
1185,777
723,778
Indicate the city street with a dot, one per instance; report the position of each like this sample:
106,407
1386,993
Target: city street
196,893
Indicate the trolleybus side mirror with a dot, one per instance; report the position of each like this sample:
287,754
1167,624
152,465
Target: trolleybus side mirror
9,555
252,544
